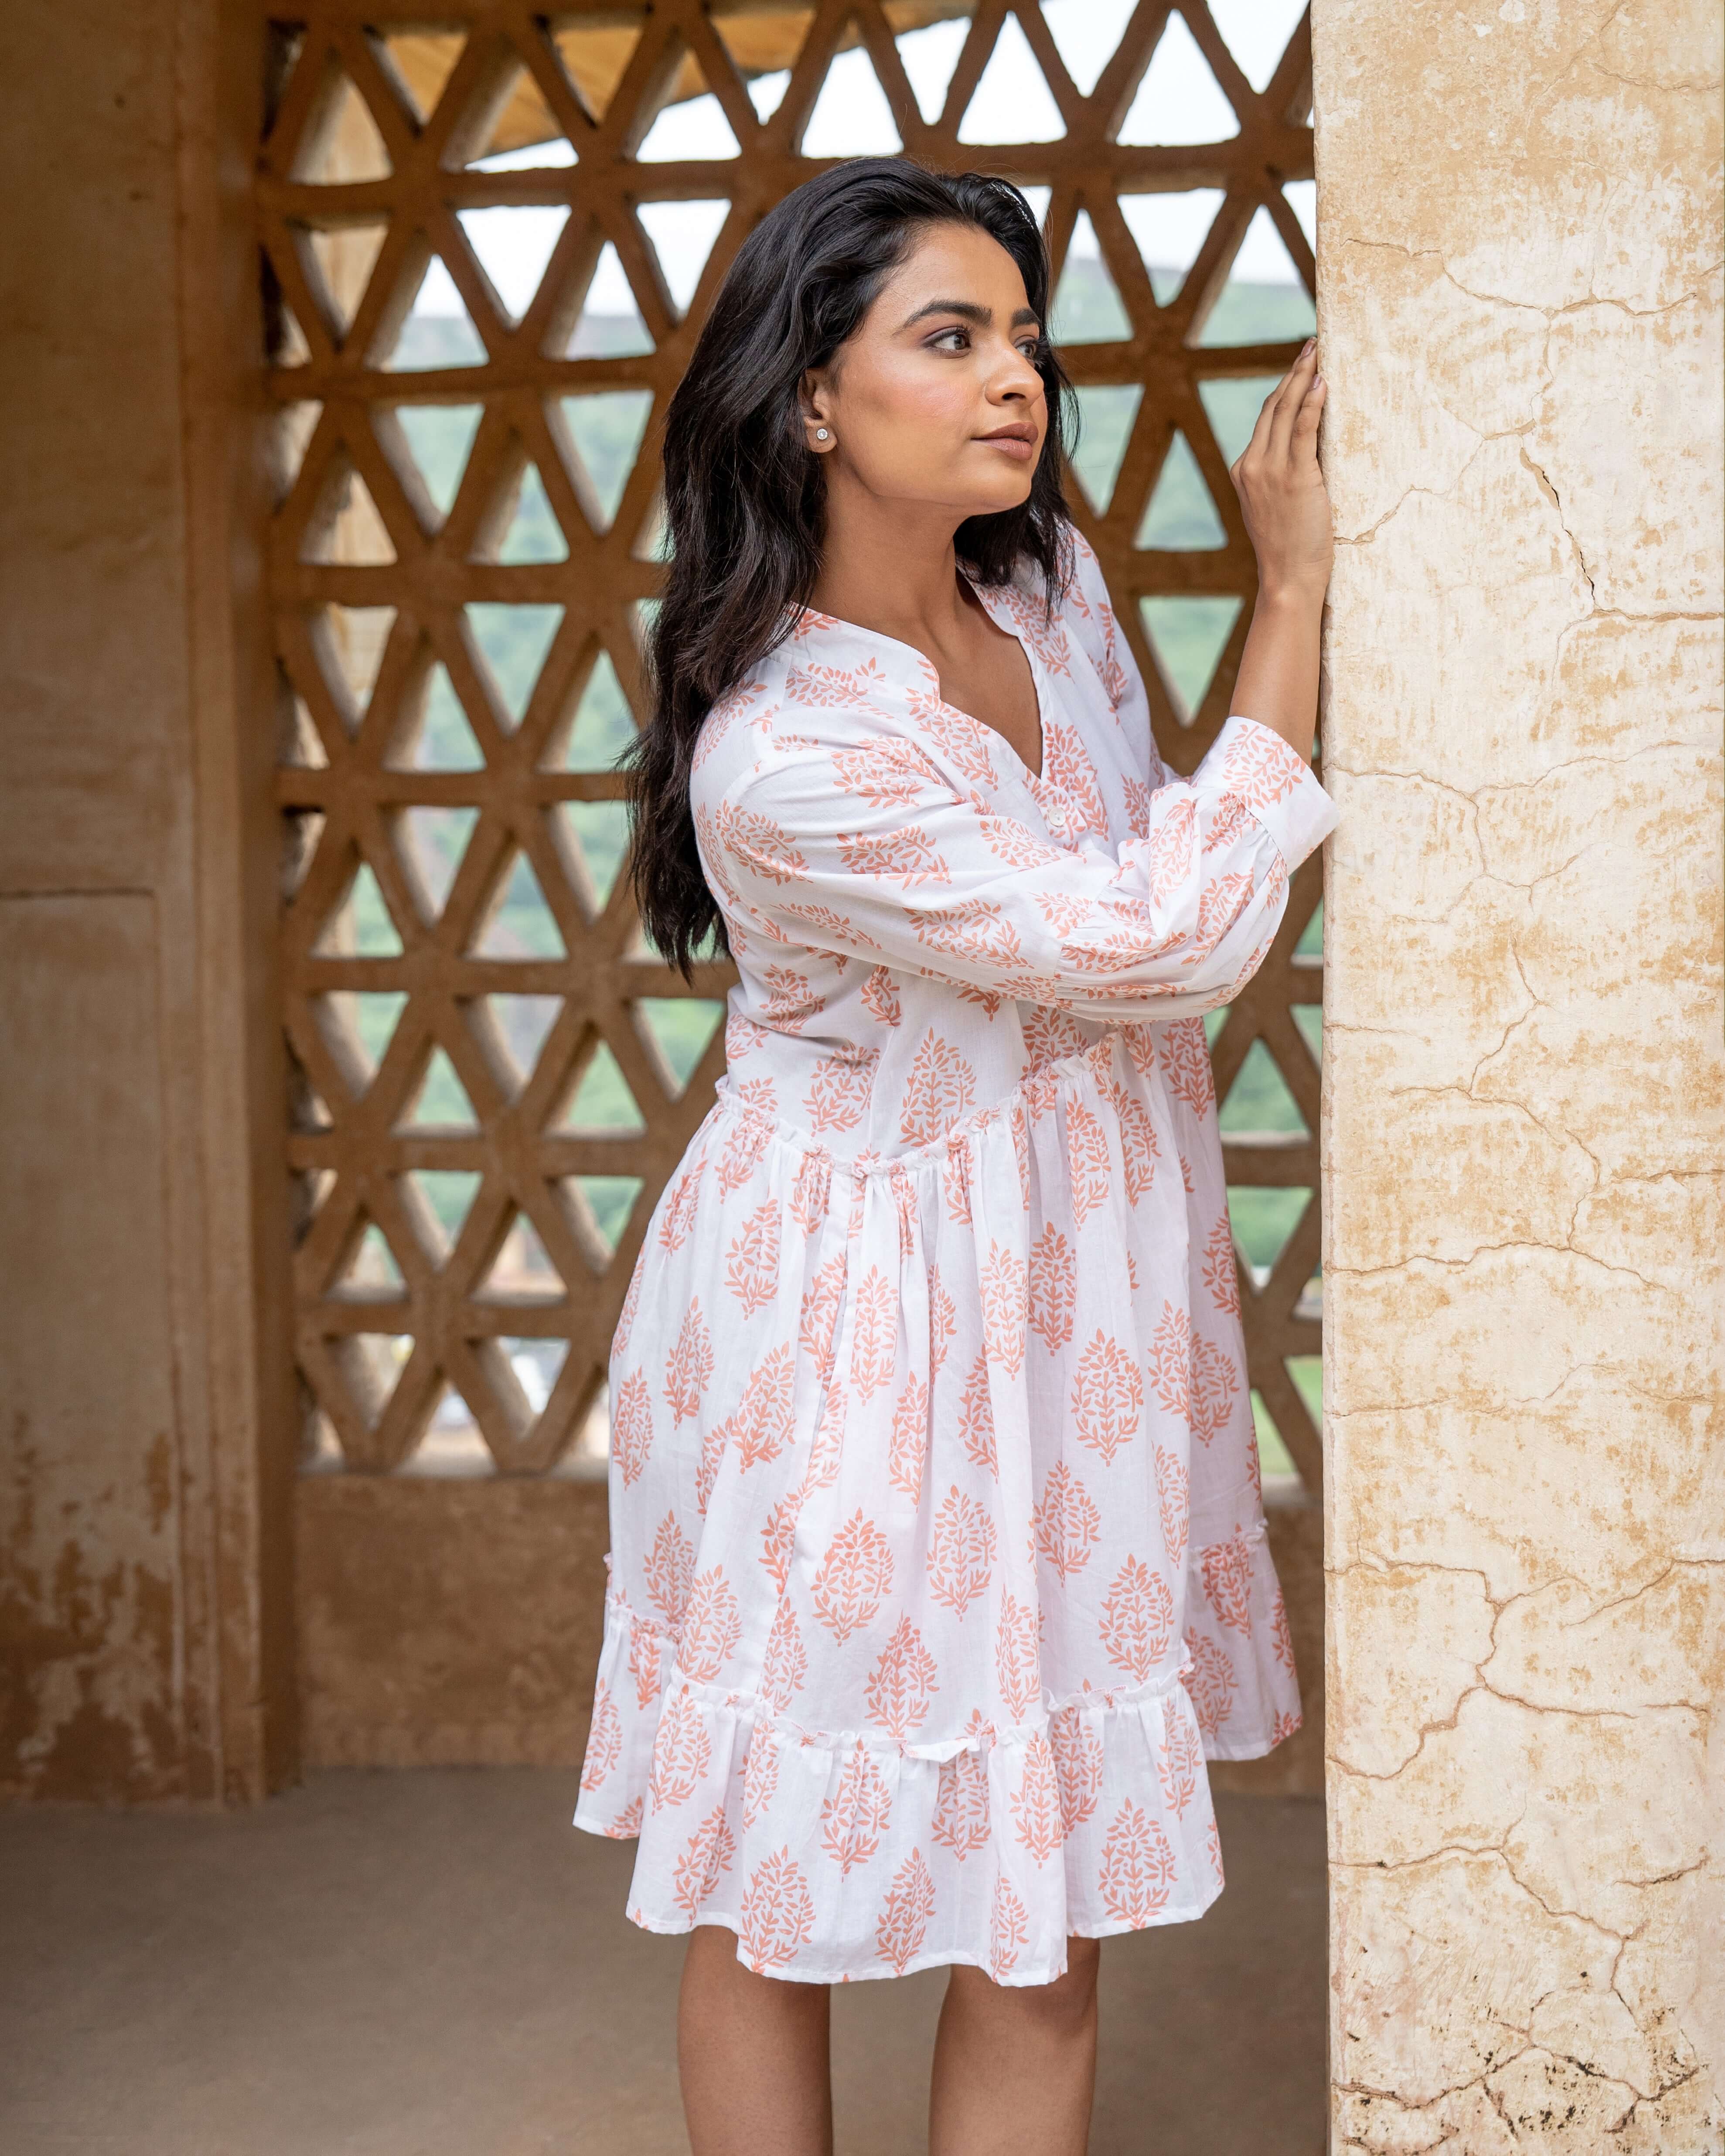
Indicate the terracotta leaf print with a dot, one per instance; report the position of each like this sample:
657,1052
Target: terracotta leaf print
1063,910
670,1568
942,1320
977,929
708,1852
1139,1149
682,1754
839,1095
961,1807
1054,1287
1226,1571
1220,904
1281,1639
1283,1727
1137,806
838,685
939,1090
1262,767
1179,1763
874,1333
904,854
888,773
879,997
628,1823
681,1201
1138,1619
1221,1268
1016,844
976,1416
1036,1802
1171,1362
955,1185
1232,818
961,1552
808,1193
745,1141
819,1322
760,1777
1004,1284
1107,1398
792,1000
1213,1850
712,1627
778,1537
752,1262
1173,1501
631,1304
1186,1063
855,1578
1210,1681
905,1914
1067,1524
691,1370
909,1439
825,1452
1215,1384
784,1665
777,1913
1066,767
1087,1161
604,1738
1076,1742
646,1664
1137,1872
903,1682
1018,1660
960,738
857,1814
760,1427
631,1427
1051,1035
1171,849
764,848
1009,1929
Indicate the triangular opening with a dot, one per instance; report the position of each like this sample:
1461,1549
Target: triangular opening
1232,408
536,1366
1087,306
598,1207
521,1272
691,125
593,840
345,527
1179,98
1311,945
520,1025
452,1444
541,155
601,1105
370,1274
1263,1220
523,134
338,263
1259,1103
301,834
644,613
1308,1373
610,325
1275,1463
1106,417
1180,516
437,331
357,1025
1086,33
604,725
682,234
604,431
350,643
511,643
436,734
1310,1308
439,1200
1256,32
371,1364
1309,1020
431,842
676,1031
518,923
1012,101
930,57
1265,300
422,61
1169,230
514,243
653,542
302,746
1302,200
290,436
851,117
440,438
287,345
596,54
1188,637
763,45
342,145
439,1102
533,534
360,924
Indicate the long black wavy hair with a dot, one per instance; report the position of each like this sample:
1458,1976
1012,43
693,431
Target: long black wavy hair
745,498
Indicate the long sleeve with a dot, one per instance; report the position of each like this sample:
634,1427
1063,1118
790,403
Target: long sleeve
873,853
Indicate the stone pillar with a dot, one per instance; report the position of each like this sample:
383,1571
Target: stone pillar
1519,248
146,1388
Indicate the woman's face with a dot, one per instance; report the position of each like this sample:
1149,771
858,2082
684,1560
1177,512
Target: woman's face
935,399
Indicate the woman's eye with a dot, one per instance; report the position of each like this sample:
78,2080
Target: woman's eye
940,341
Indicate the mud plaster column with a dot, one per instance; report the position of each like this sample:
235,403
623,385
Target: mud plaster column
1519,247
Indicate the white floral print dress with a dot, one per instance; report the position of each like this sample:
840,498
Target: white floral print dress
938,1558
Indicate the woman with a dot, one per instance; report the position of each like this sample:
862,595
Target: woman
938,1555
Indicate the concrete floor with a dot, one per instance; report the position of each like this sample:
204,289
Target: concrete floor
435,1963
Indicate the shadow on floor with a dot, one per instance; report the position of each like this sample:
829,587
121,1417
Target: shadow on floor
435,1963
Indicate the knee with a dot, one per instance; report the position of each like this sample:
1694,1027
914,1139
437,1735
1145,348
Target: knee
1049,2011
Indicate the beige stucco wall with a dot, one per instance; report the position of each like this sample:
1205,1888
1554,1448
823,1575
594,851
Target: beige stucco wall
1519,218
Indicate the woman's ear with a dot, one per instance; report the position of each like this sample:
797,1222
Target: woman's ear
814,401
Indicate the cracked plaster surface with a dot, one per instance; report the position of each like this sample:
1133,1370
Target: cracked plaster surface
1520,314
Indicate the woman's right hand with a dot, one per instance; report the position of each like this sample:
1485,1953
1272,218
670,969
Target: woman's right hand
1281,490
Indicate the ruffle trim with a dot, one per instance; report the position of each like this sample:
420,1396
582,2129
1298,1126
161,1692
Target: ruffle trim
842,1855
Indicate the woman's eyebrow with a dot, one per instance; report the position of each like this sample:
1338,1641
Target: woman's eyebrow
968,310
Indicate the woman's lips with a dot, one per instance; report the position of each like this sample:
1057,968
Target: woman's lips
1019,442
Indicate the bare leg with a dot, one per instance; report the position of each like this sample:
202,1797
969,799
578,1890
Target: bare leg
1015,2069
753,2054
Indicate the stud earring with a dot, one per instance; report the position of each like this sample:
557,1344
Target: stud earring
820,433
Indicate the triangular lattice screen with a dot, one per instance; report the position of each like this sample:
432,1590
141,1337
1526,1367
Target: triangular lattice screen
488,244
